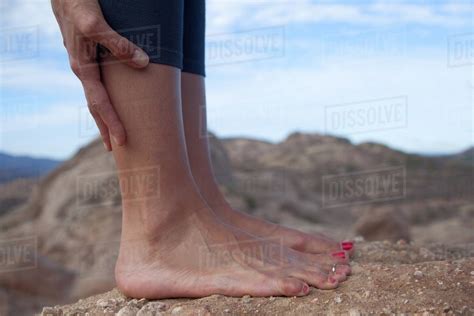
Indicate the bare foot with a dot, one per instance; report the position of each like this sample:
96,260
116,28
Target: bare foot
194,118
192,254
311,243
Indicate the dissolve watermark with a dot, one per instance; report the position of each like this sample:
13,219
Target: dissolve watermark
366,116
263,184
104,188
244,46
146,37
87,125
19,112
146,110
461,50
18,254
19,43
363,187
367,45
102,256
265,113
264,253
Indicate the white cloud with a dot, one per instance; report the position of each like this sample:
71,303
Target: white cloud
226,15
20,13
46,77
270,101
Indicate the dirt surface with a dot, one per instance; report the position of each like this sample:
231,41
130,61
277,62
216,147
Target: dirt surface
388,278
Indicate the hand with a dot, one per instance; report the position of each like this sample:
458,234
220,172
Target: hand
83,27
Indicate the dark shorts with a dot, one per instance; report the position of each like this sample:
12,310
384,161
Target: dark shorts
171,32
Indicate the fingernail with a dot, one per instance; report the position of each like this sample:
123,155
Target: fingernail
339,254
140,58
116,141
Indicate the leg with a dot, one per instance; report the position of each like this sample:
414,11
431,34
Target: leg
194,116
193,102
172,245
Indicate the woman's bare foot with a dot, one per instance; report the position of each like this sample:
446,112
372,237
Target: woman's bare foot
311,243
192,254
194,117
172,244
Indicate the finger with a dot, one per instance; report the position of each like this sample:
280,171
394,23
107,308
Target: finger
99,102
104,131
97,29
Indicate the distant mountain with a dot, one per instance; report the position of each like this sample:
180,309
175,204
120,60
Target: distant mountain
465,156
14,167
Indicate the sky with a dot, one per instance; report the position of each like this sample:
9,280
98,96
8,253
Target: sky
394,72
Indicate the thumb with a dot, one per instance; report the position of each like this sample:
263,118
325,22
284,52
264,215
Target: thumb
100,32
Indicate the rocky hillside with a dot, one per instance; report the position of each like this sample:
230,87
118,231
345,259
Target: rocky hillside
388,279
72,219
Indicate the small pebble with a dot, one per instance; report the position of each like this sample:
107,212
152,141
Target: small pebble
354,312
472,273
338,299
226,310
418,274
128,311
152,308
49,311
139,303
271,298
176,310
103,303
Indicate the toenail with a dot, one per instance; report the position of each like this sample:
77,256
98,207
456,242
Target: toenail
347,246
332,279
339,254
305,289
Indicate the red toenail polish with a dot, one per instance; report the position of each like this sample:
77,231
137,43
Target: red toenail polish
346,247
339,254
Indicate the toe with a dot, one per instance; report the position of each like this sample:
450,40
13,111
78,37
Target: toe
292,287
325,263
348,245
316,278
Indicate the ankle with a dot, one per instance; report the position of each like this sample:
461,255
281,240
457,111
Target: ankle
154,217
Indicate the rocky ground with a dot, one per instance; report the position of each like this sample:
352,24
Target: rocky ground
388,278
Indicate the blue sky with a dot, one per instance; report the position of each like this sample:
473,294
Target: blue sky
400,73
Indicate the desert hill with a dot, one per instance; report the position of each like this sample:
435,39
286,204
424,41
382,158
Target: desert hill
73,214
